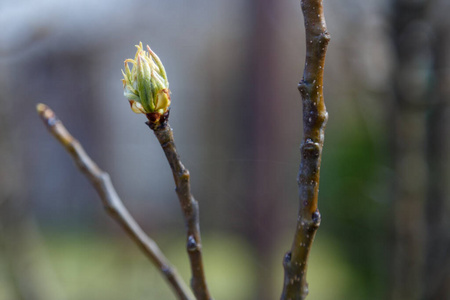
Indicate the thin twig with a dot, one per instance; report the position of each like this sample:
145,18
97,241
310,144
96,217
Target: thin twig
111,201
314,120
189,205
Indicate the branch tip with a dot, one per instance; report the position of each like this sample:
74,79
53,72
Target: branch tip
46,113
40,107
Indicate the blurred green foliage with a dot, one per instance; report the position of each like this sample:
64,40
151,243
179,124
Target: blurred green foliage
354,202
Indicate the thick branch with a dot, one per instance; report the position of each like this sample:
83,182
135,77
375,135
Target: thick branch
189,206
314,121
111,201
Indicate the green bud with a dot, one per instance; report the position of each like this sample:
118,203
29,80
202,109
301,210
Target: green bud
146,86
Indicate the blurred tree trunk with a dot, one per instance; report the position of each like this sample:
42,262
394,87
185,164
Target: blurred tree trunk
420,262
438,204
411,80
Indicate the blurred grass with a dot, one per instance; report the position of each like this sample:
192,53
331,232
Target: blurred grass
98,267
6,292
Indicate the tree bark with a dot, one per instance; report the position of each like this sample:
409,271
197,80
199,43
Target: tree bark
314,121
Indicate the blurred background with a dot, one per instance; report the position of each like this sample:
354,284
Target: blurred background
233,68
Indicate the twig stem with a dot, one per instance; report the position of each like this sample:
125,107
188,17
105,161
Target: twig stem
111,201
189,206
314,121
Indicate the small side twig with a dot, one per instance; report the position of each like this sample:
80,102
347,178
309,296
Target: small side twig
314,120
189,205
111,201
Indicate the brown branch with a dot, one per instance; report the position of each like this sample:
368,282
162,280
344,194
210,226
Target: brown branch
111,201
314,120
189,205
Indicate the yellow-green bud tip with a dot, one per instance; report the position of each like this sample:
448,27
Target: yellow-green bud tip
146,86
